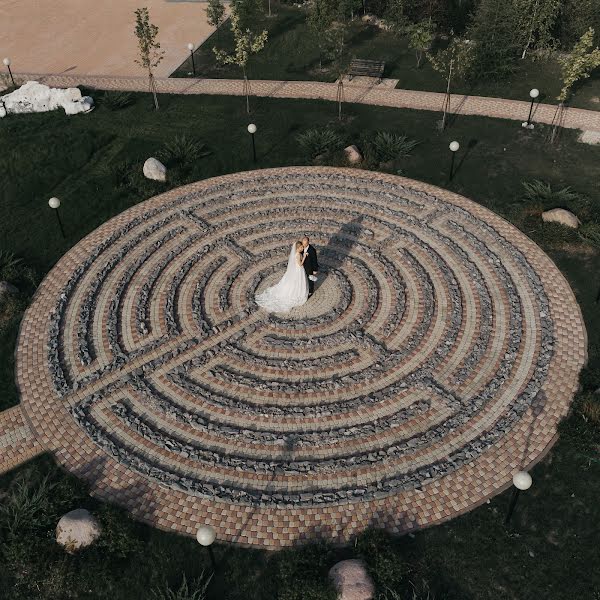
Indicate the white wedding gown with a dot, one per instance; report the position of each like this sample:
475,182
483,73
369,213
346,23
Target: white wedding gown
291,291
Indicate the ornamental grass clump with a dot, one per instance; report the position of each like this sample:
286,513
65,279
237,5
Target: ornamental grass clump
317,142
182,151
117,100
541,192
386,146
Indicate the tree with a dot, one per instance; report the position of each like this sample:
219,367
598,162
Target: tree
420,36
496,33
536,19
320,19
150,53
246,44
578,64
454,61
215,13
395,17
249,12
575,66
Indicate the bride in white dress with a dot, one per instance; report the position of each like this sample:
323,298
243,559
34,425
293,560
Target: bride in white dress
292,289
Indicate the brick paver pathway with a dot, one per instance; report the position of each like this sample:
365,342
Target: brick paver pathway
436,358
573,118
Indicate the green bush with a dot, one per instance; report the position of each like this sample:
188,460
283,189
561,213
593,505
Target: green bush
383,559
115,100
541,192
197,591
316,142
182,151
386,146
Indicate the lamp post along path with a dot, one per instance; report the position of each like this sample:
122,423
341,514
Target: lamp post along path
54,204
6,62
454,147
533,94
521,481
252,130
190,47
206,536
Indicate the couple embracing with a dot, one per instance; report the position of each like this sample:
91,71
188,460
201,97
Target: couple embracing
298,283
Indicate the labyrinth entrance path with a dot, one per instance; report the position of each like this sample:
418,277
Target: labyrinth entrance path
436,358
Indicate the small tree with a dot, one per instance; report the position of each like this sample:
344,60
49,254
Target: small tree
320,19
536,18
454,61
575,66
215,13
246,44
420,36
150,53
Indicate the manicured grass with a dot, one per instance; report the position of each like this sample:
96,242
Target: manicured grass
292,54
551,549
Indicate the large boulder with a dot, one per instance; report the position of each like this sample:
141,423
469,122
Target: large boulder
77,529
353,155
352,581
154,169
7,289
561,216
34,97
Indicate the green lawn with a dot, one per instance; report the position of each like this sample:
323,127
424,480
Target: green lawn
292,54
93,163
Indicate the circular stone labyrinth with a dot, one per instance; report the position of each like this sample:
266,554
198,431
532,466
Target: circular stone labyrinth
438,354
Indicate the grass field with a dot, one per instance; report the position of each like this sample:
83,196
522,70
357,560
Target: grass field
93,164
291,53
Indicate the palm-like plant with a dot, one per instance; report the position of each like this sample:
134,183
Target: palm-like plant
386,146
185,592
315,142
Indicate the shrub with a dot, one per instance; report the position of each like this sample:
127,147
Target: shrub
386,146
10,265
590,408
182,151
315,142
590,232
26,507
117,100
197,592
541,192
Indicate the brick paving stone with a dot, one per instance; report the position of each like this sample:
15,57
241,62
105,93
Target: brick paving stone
436,358
502,108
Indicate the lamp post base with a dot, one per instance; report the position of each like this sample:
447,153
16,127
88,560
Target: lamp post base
527,125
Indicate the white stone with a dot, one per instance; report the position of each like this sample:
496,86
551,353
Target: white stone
352,581
34,97
7,289
589,137
77,529
562,216
353,155
154,169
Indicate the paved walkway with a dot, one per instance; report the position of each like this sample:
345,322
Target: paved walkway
436,358
572,118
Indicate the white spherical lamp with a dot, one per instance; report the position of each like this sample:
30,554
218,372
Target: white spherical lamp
522,480
252,128
205,535
534,93
54,203
190,47
454,146
6,62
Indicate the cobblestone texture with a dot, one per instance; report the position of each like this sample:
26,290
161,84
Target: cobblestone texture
436,358
359,92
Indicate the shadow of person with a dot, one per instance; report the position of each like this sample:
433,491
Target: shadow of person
334,254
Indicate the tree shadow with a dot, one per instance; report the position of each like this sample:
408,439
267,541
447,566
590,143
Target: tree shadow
537,408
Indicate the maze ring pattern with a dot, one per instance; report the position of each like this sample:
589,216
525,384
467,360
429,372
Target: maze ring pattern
435,359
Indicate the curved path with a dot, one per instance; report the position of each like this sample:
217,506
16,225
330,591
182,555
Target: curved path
436,358
572,118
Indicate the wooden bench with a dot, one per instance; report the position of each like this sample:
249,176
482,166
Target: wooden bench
366,68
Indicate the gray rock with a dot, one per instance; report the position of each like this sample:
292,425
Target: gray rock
352,581
77,529
154,169
561,216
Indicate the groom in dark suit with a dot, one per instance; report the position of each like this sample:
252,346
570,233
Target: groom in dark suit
311,265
